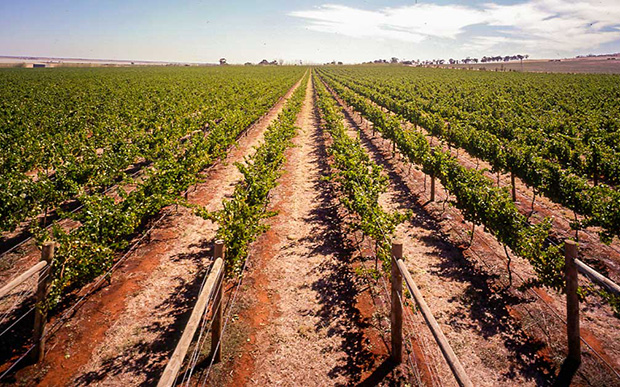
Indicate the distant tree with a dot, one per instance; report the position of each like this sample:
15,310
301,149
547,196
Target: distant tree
263,62
248,63
394,60
340,63
223,61
280,62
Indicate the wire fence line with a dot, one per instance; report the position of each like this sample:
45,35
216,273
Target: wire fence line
61,320
65,316
228,314
386,301
23,294
206,327
553,311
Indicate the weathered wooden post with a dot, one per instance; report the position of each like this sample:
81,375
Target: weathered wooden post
572,302
216,335
432,178
169,376
40,312
512,183
396,314
595,172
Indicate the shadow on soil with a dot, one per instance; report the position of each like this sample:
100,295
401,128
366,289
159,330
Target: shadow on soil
487,308
148,359
338,286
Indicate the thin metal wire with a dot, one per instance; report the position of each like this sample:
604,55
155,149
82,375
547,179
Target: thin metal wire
202,327
201,340
41,278
232,304
24,294
554,312
409,350
16,321
16,362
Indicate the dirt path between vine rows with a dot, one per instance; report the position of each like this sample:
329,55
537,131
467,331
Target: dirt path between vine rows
305,317
125,331
604,258
502,336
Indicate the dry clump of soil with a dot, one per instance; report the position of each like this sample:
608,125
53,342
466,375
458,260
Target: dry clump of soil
125,332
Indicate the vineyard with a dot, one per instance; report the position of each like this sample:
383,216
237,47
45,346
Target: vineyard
291,225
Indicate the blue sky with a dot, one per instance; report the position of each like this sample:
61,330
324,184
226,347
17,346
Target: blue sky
312,31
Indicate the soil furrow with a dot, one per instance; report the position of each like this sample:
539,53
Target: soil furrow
306,318
467,287
125,332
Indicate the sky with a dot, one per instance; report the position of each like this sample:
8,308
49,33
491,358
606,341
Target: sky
307,30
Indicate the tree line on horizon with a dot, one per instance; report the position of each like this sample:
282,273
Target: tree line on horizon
468,60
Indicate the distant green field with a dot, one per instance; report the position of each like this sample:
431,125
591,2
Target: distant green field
559,133
70,134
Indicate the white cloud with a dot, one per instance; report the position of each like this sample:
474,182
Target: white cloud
356,23
535,25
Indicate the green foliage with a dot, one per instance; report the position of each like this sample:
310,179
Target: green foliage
240,220
181,122
72,132
359,181
476,196
517,131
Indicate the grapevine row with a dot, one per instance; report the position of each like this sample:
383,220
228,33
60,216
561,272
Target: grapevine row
71,135
577,130
358,179
478,199
599,204
475,195
107,225
240,220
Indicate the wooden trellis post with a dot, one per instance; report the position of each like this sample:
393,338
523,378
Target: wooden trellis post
40,312
216,334
396,315
512,183
572,302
